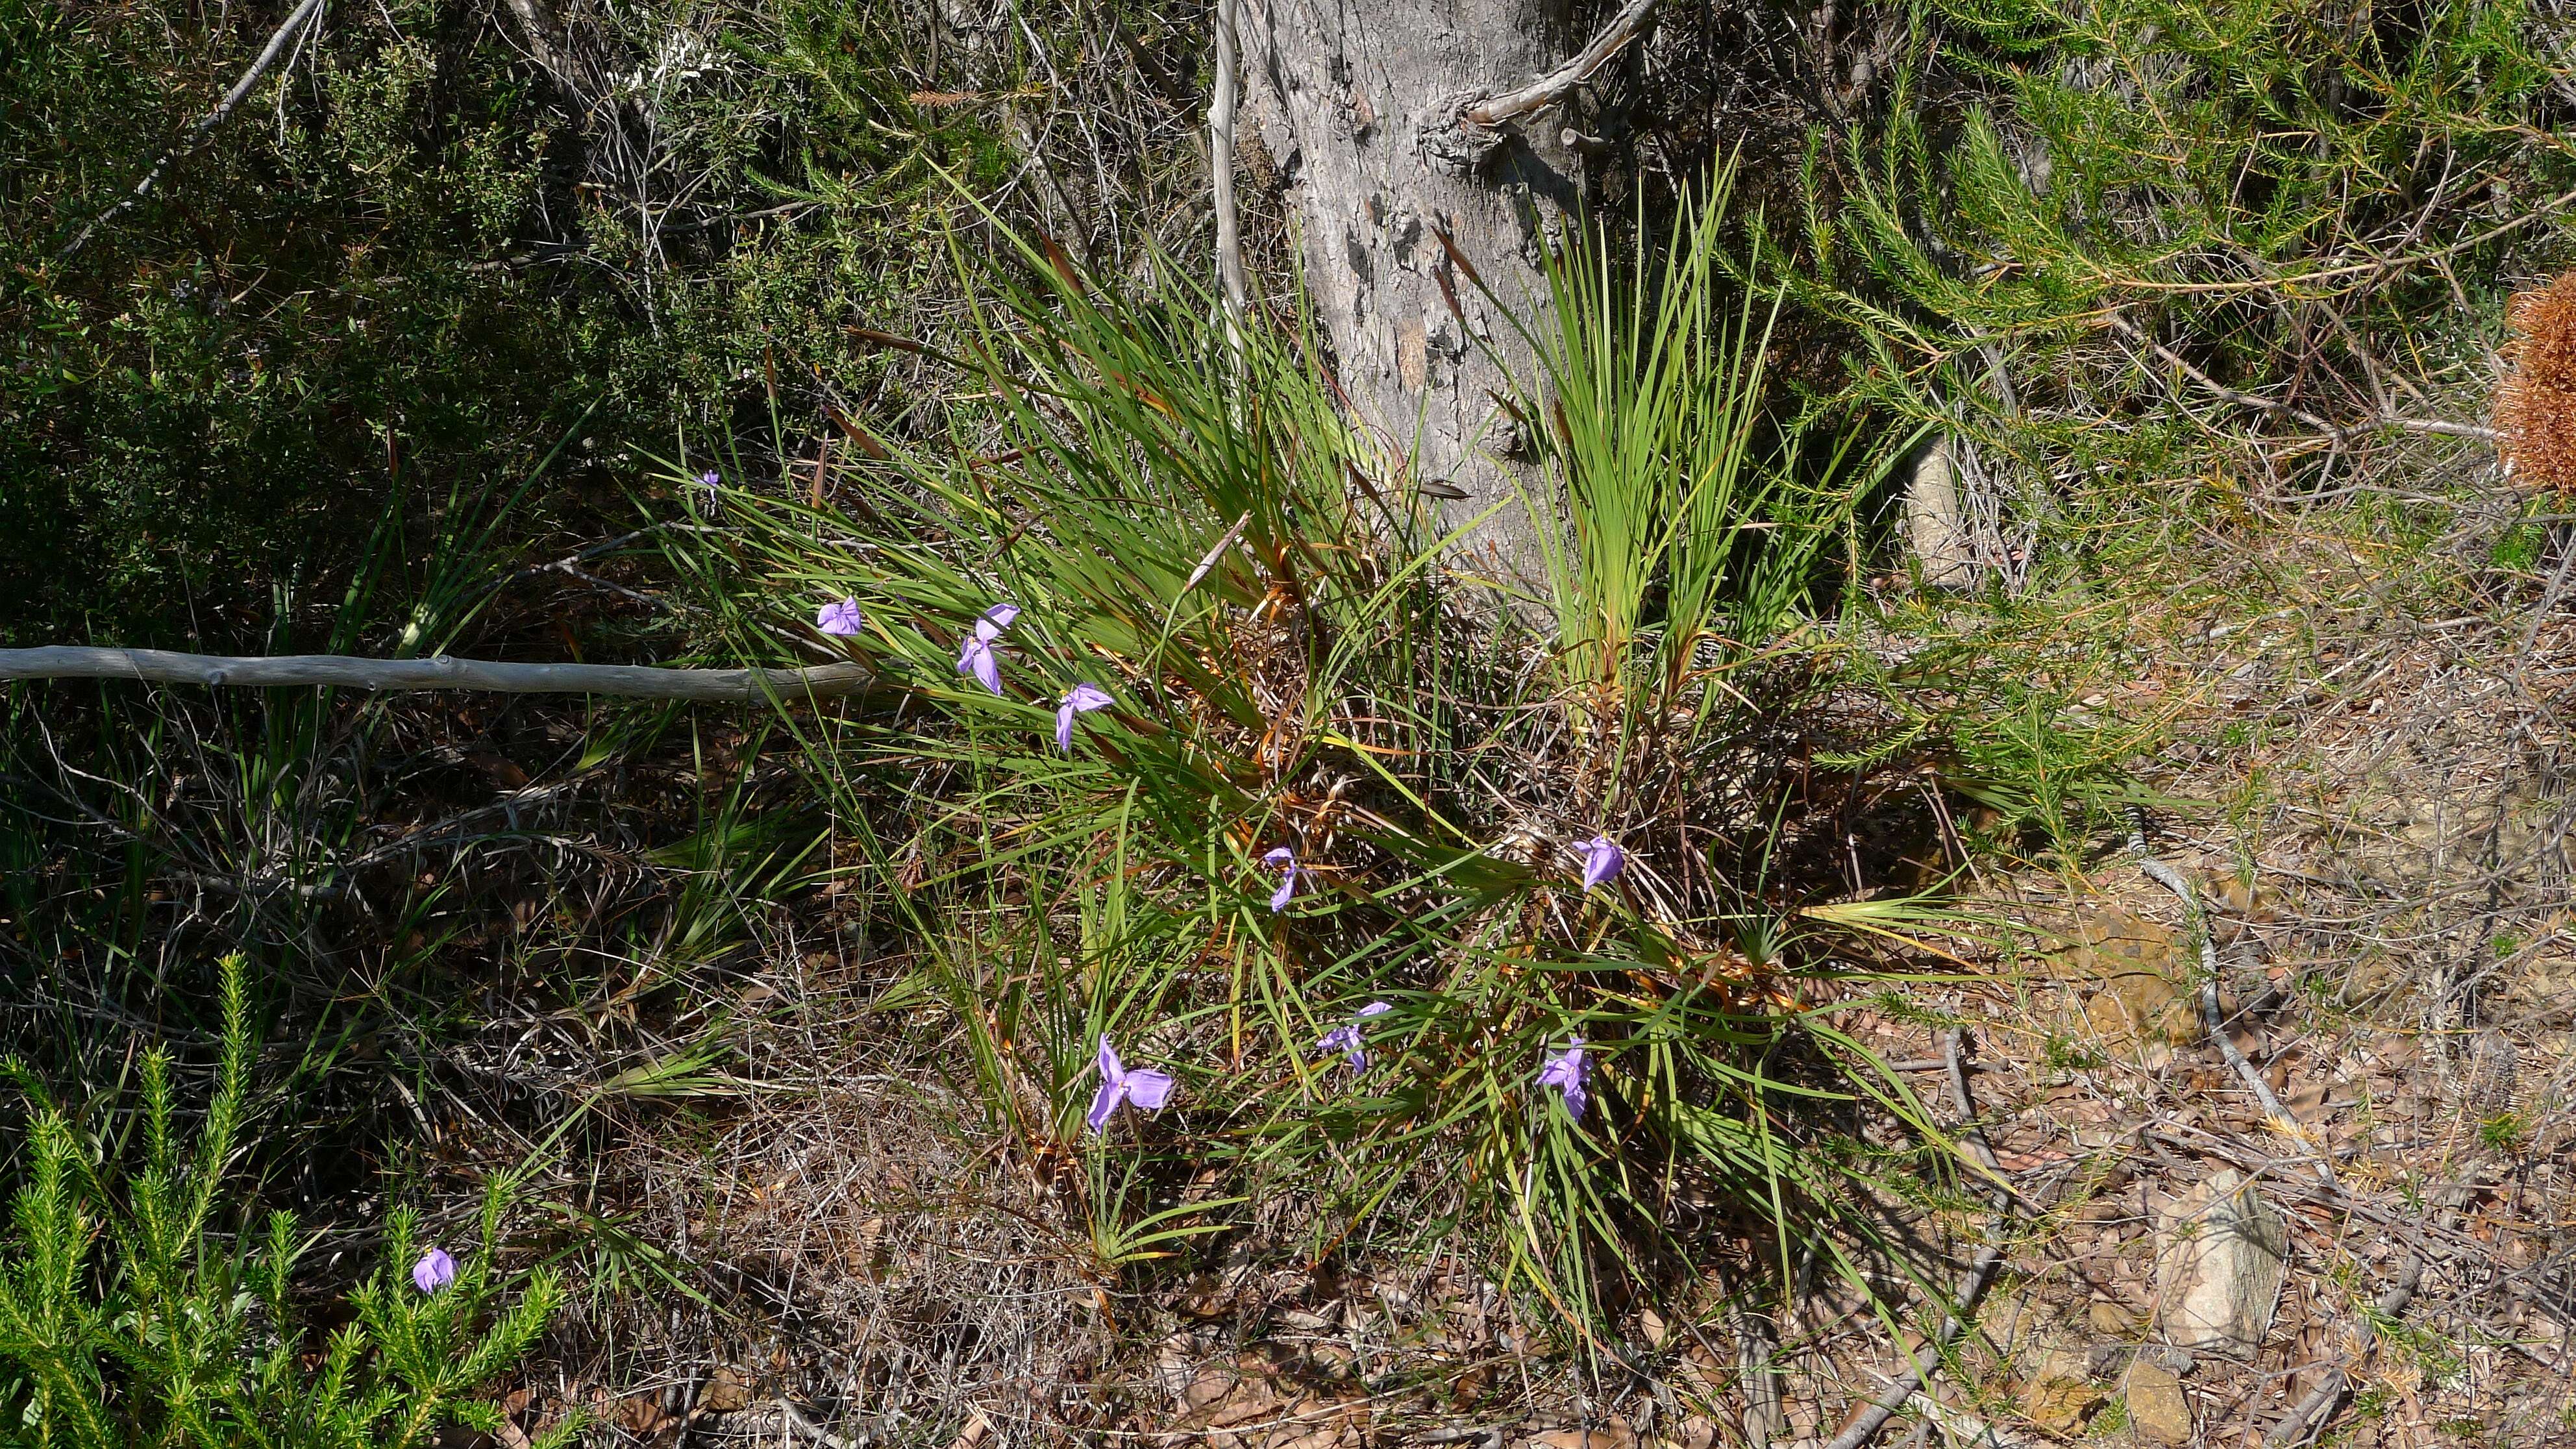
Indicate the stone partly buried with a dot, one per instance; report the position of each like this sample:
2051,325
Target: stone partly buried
2136,1011
2221,1258
2158,1409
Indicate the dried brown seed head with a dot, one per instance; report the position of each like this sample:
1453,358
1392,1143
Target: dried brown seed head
2535,409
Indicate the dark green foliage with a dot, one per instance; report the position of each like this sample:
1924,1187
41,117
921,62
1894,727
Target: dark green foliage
2116,241
407,269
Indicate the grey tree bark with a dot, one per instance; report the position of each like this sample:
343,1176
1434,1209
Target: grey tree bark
1403,201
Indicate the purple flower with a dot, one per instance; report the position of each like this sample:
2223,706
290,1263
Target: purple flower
1144,1086
842,618
1286,860
1081,699
1564,1071
1602,860
434,1271
1346,1038
976,656
709,478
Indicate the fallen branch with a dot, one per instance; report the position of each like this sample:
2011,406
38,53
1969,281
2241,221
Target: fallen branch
2274,1113
1462,127
633,681
293,26
2309,1417
1981,1275
821,1435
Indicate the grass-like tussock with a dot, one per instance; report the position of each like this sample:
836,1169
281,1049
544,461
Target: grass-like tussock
1323,840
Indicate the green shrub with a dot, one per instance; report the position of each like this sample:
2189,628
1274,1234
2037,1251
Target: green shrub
2120,243
407,270
129,1316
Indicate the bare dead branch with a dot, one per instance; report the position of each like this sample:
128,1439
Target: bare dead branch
1460,128
1902,1387
1559,83
1229,240
2164,875
633,681
2309,1417
286,32
542,26
2334,432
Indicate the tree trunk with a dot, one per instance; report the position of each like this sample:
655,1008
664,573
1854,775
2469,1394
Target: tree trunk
1359,103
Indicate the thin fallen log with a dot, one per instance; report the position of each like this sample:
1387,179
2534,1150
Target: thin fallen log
631,681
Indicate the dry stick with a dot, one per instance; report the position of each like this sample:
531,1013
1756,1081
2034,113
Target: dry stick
1980,1275
633,681
2166,876
1556,85
293,25
2376,267
537,18
1229,239
2311,1414
822,1436
2126,328
2548,598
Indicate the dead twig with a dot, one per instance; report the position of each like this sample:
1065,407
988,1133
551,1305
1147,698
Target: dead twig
2310,1415
633,681
817,1432
1464,126
300,17
1917,1372
1559,83
2171,879
2335,433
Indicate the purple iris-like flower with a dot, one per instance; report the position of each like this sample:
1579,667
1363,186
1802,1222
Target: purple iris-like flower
1564,1071
841,618
1144,1086
709,478
1286,860
1081,699
976,656
434,1271
1602,860
1346,1038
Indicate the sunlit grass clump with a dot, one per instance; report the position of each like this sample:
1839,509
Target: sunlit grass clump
1207,765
